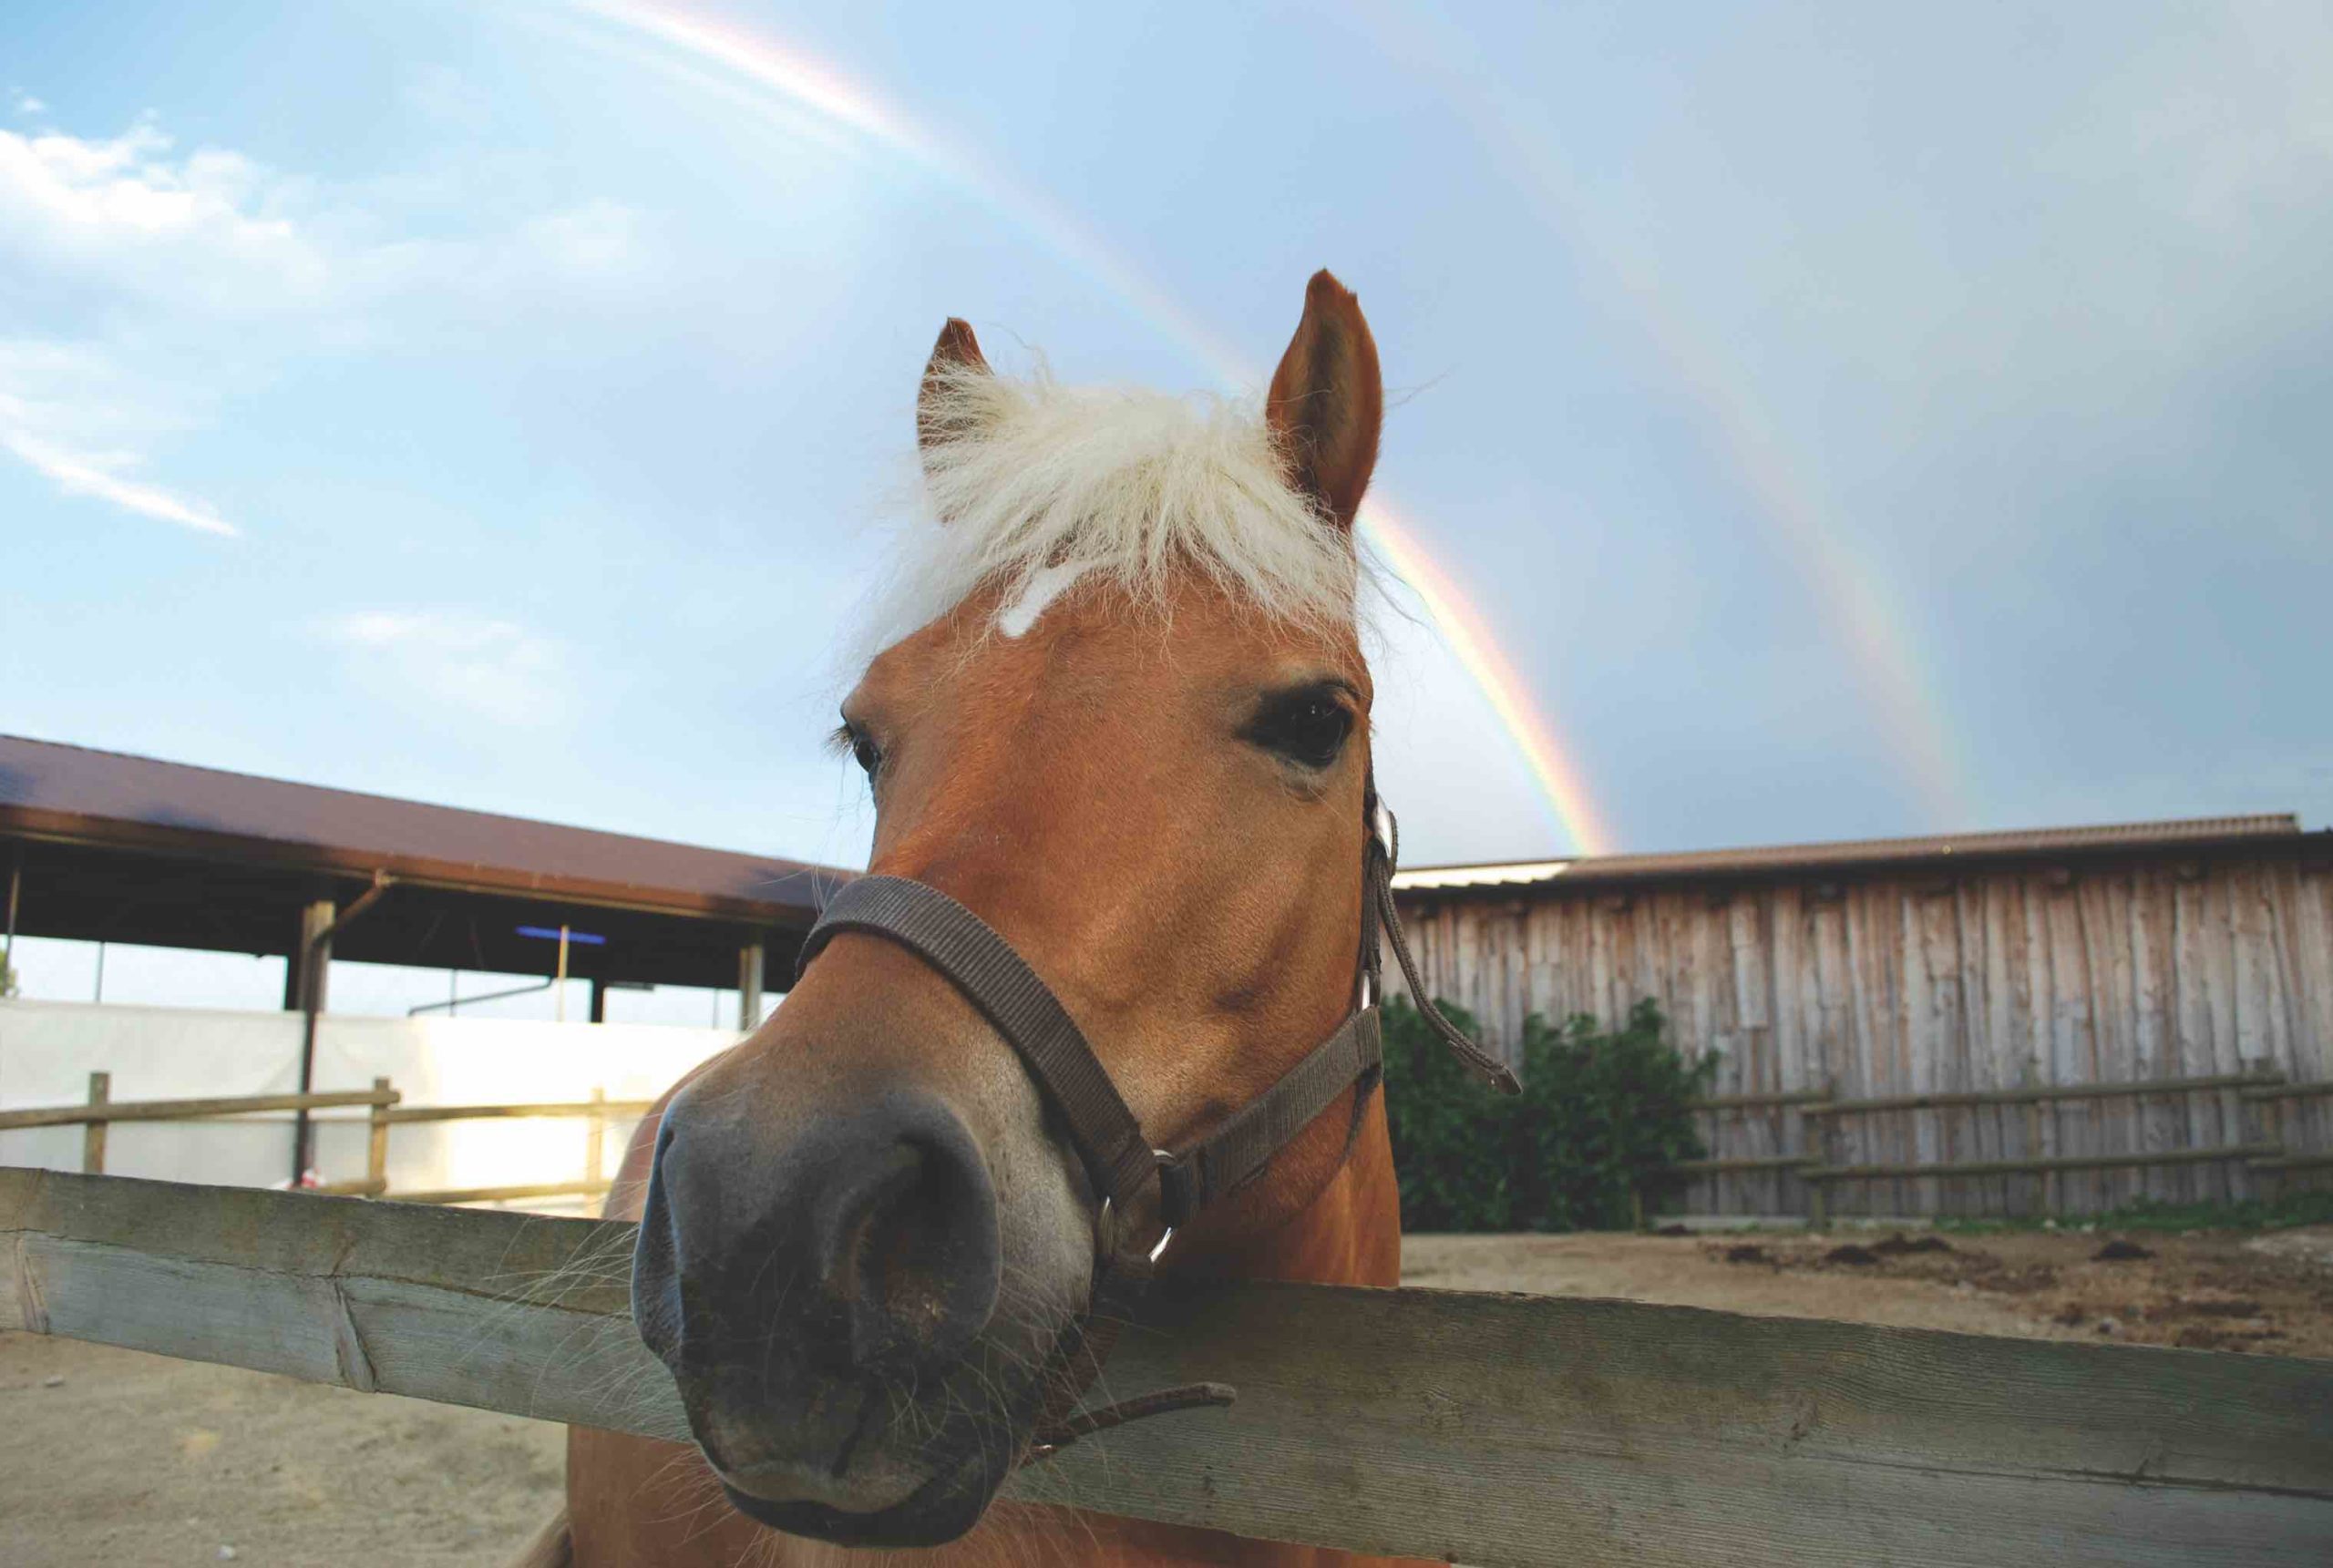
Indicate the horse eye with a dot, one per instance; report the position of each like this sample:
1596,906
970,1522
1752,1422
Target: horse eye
849,737
1309,728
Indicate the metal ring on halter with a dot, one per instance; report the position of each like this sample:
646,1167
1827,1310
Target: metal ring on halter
1102,1219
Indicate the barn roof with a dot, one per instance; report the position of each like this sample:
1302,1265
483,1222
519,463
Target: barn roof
1868,853
129,848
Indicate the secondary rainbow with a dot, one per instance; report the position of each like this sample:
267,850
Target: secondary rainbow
814,87
1851,596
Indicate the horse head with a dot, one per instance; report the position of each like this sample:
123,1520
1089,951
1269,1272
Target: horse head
1124,720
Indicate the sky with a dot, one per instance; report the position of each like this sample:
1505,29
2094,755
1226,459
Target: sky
1808,421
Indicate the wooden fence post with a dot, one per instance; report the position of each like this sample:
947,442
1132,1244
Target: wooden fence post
1816,1135
595,1148
376,1145
2046,1188
93,1132
2277,1118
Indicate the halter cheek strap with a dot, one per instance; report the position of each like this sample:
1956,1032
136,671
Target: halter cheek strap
1119,1161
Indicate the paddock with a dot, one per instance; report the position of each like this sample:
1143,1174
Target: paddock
1690,1400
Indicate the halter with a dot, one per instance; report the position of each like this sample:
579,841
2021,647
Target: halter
1122,1164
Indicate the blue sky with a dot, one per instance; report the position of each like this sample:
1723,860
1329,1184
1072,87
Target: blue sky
1851,420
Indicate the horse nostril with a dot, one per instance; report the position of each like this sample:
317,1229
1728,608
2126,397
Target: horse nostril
906,1243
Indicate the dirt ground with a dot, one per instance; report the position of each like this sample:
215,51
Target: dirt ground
2271,1294
109,1457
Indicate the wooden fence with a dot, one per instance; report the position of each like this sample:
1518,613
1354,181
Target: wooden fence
385,1109
1916,984
1490,1430
1814,1114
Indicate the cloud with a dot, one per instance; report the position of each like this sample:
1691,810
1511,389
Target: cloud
193,272
211,226
482,666
214,236
71,415
597,239
28,104
81,473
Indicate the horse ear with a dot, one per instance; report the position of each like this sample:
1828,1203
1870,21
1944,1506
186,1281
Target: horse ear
938,416
1327,403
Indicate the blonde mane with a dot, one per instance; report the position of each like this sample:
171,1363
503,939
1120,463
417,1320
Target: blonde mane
1031,488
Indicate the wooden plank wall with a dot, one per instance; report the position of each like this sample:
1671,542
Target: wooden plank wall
1915,982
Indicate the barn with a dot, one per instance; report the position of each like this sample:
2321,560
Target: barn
1984,999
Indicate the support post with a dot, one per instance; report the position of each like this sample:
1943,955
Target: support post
16,891
312,962
595,1151
749,985
599,998
93,1134
299,976
304,984
559,984
377,1143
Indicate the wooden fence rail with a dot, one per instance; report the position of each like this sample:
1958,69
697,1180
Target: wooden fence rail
384,1108
1816,1107
2044,1094
102,1109
1491,1430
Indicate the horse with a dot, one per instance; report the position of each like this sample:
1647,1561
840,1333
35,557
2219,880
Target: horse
1117,706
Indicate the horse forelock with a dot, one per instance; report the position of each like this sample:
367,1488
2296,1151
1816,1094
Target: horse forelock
1032,488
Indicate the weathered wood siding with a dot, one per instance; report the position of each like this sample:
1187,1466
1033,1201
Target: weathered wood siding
1998,977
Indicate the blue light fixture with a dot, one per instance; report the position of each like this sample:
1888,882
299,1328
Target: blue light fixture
551,933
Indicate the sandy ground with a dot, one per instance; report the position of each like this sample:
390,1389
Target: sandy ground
2207,1291
109,1457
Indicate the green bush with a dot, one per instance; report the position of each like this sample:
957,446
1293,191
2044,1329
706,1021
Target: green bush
1602,1116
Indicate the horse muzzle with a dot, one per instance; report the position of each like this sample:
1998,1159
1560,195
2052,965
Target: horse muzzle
825,1294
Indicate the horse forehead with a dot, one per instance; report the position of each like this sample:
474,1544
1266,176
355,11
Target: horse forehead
1092,664
1059,627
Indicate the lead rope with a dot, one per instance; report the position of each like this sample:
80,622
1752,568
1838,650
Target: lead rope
1124,1272
1472,1057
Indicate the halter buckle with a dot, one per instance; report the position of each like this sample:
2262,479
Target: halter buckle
1386,830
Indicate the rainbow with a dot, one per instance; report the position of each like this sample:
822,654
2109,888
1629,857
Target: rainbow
1468,636
814,87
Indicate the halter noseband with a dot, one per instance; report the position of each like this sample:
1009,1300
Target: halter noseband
1120,1162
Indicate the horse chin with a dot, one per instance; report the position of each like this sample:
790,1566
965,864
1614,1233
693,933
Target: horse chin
941,1510
877,1486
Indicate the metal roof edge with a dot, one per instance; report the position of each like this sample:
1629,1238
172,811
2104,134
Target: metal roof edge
2278,828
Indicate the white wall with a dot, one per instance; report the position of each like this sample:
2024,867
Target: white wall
49,1049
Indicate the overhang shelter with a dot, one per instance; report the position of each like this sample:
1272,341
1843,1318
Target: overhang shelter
102,846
